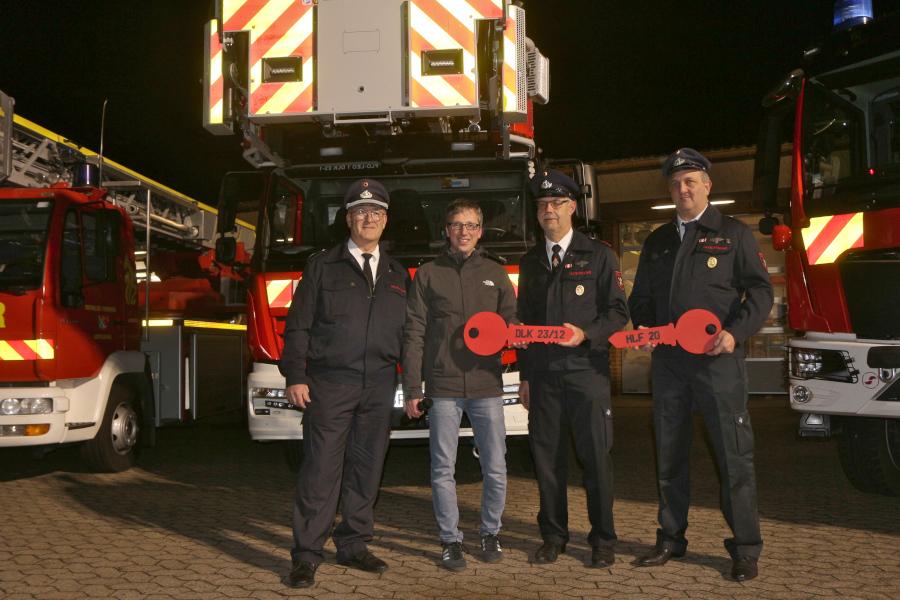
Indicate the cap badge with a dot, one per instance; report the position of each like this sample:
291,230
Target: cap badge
711,262
579,290
365,195
546,184
678,162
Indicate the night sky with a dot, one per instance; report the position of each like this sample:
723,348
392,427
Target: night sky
626,81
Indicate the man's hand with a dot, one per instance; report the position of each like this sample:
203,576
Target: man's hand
577,335
648,347
298,395
724,344
524,394
411,407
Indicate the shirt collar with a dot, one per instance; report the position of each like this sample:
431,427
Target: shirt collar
357,253
680,221
563,243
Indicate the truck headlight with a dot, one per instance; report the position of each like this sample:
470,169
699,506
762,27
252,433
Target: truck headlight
817,363
26,406
276,393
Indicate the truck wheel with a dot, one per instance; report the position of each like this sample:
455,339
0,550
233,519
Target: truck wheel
870,455
293,453
115,446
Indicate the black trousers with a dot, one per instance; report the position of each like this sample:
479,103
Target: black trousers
573,403
717,387
346,429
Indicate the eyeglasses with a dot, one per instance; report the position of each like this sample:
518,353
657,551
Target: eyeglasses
374,214
555,203
458,227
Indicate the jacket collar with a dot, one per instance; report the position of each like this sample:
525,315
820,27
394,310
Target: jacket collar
711,219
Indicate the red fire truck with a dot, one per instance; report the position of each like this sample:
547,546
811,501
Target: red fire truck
841,237
431,97
108,318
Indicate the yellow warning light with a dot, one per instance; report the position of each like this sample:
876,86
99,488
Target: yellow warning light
37,429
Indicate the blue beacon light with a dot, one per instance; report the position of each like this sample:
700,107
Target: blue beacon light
850,13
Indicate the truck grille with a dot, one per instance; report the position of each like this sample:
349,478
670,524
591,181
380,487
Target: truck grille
871,280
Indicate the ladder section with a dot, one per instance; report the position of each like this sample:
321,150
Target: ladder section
31,156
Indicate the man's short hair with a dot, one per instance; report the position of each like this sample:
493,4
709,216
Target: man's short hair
463,204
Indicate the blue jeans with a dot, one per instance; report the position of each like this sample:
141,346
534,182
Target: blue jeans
486,416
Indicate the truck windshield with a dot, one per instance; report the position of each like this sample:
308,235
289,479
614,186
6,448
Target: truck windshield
303,214
851,139
23,239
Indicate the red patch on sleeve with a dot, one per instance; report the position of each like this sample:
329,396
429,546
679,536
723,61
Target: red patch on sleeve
619,280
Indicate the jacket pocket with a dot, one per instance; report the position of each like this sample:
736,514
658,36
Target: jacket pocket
337,297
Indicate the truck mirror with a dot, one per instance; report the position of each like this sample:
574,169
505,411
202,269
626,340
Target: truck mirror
767,224
226,250
241,188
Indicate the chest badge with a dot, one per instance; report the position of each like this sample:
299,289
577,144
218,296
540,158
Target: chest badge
711,262
579,290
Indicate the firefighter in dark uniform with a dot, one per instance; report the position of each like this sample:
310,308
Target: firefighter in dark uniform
343,341
572,281
702,259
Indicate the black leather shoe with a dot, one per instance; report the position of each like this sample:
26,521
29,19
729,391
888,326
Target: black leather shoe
743,568
364,561
602,557
658,557
548,553
303,575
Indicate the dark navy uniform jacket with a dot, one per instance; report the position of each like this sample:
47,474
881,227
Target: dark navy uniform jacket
336,331
586,290
718,267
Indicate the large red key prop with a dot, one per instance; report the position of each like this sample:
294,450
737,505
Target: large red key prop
695,331
486,333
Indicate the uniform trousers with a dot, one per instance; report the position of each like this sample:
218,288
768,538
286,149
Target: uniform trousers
575,403
346,429
717,387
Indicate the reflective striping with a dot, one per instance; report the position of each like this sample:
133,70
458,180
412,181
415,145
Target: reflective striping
215,325
280,292
510,75
442,25
26,350
216,91
827,238
278,28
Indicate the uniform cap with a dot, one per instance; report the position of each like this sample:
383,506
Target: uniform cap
685,159
366,191
553,184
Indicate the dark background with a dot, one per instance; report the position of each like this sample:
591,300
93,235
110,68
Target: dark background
628,78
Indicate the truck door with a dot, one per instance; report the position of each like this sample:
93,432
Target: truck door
91,295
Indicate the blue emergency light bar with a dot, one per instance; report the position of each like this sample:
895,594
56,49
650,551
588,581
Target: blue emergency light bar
850,13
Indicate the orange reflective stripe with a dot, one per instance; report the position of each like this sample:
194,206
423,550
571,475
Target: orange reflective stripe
280,292
26,350
827,238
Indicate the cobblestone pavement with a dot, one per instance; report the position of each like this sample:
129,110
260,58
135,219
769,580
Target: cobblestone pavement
207,514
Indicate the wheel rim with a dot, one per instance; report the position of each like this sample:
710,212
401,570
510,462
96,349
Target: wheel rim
124,429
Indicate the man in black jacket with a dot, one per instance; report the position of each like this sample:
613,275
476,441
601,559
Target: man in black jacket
445,293
573,281
702,259
343,340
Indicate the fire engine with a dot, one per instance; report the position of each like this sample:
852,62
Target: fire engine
111,307
841,237
431,97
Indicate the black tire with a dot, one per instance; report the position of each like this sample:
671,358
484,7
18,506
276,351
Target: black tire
293,454
116,444
870,455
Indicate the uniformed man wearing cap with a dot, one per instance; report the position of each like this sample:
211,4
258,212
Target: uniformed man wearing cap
343,341
702,259
573,281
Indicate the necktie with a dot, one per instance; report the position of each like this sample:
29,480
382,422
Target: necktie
555,259
688,228
367,271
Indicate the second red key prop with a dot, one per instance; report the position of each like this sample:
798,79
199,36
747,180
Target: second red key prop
695,331
486,333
